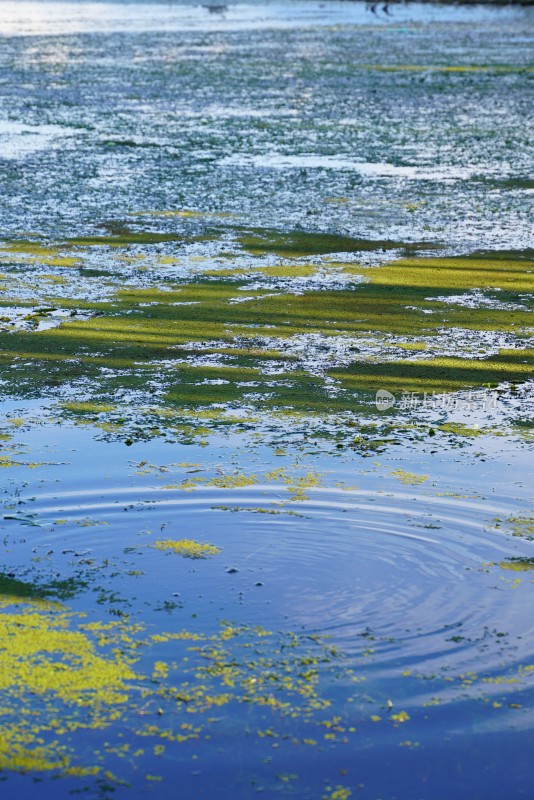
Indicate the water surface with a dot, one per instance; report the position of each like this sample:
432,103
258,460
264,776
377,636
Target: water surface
222,234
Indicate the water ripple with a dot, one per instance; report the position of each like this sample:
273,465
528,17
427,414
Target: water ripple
397,581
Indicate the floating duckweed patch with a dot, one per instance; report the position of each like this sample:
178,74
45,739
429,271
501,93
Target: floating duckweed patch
250,665
45,653
518,564
409,478
520,526
91,408
86,676
295,484
461,430
187,548
339,793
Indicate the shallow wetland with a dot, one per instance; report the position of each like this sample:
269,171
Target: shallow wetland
229,564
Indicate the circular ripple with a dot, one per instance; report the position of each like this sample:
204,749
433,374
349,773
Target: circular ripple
402,581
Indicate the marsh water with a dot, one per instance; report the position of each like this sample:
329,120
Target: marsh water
266,401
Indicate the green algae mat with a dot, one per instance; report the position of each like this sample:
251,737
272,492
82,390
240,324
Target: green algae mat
266,410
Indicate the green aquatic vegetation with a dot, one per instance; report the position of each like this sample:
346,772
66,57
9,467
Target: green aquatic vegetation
168,334
408,478
337,793
90,407
257,510
232,481
253,666
437,375
44,655
477,271
24,591
521,526
518,564
82,676
121,236
297,487
458,429
24,251
6,461
299,244
401,716
188,548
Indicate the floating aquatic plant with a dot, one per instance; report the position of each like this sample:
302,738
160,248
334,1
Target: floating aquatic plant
188,548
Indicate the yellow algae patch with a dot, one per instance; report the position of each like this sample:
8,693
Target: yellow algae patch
59,683
339,793
37,603
96,408
522,526
49,663
187,548
409,478
232,481
28,252
40,654
518,564
402,716
298,488
253,666
454,273
16,755
462,430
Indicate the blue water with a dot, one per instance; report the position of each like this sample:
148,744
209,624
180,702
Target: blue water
403,582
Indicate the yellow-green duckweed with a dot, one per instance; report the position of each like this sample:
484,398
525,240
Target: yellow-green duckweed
187,548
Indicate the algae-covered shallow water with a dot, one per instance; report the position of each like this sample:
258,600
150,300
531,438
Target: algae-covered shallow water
266,401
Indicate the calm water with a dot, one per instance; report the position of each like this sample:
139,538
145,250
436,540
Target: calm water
363,625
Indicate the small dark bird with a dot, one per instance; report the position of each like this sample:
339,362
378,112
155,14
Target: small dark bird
373,7
216,9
